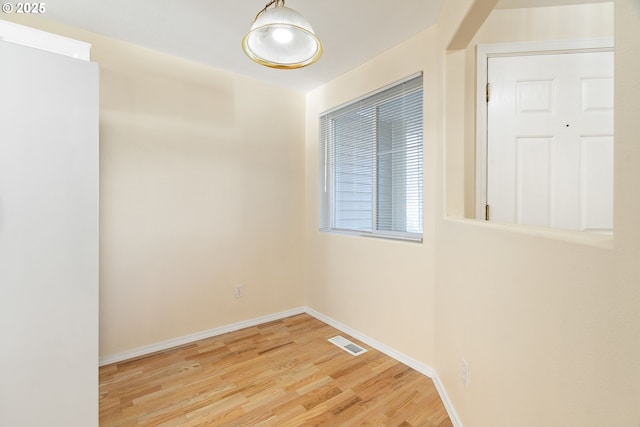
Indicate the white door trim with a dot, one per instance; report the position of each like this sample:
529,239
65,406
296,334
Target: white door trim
486,51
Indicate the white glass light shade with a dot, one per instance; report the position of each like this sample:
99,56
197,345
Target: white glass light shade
282,38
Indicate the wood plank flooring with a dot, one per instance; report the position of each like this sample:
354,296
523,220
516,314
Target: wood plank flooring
282,373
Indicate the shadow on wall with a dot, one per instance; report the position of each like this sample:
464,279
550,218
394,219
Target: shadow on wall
161,100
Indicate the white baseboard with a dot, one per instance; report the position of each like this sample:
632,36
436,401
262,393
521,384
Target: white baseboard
394,354
399,356
186,339
453,416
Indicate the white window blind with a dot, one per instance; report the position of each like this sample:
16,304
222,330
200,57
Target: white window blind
371,164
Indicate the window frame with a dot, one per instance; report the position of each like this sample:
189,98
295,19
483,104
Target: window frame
328,166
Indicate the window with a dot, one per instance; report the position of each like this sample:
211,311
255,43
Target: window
371,164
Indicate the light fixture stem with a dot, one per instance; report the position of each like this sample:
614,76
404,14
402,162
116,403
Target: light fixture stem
271,3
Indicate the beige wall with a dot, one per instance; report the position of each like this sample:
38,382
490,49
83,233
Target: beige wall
382,288
548,322
201,188
550,325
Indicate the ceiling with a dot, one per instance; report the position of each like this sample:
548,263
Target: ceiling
210,31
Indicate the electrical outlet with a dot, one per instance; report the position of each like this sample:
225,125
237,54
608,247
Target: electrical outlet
239,291
464,373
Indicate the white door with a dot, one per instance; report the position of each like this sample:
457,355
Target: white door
48,239
550,140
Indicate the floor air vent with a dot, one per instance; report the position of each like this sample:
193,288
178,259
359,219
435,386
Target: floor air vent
347,345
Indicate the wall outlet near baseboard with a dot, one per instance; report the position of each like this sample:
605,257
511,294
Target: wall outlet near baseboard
239,291
464,373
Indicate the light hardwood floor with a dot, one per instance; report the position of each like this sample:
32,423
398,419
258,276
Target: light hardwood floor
282,373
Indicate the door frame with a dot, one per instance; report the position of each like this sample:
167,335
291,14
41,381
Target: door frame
486,51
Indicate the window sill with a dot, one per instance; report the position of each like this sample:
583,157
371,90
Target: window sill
599,240
409,239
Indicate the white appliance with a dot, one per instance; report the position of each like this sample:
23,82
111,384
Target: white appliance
48,233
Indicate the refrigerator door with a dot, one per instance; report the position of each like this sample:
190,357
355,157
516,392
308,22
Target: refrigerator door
48,239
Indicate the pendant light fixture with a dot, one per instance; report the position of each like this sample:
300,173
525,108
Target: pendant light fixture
281,38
